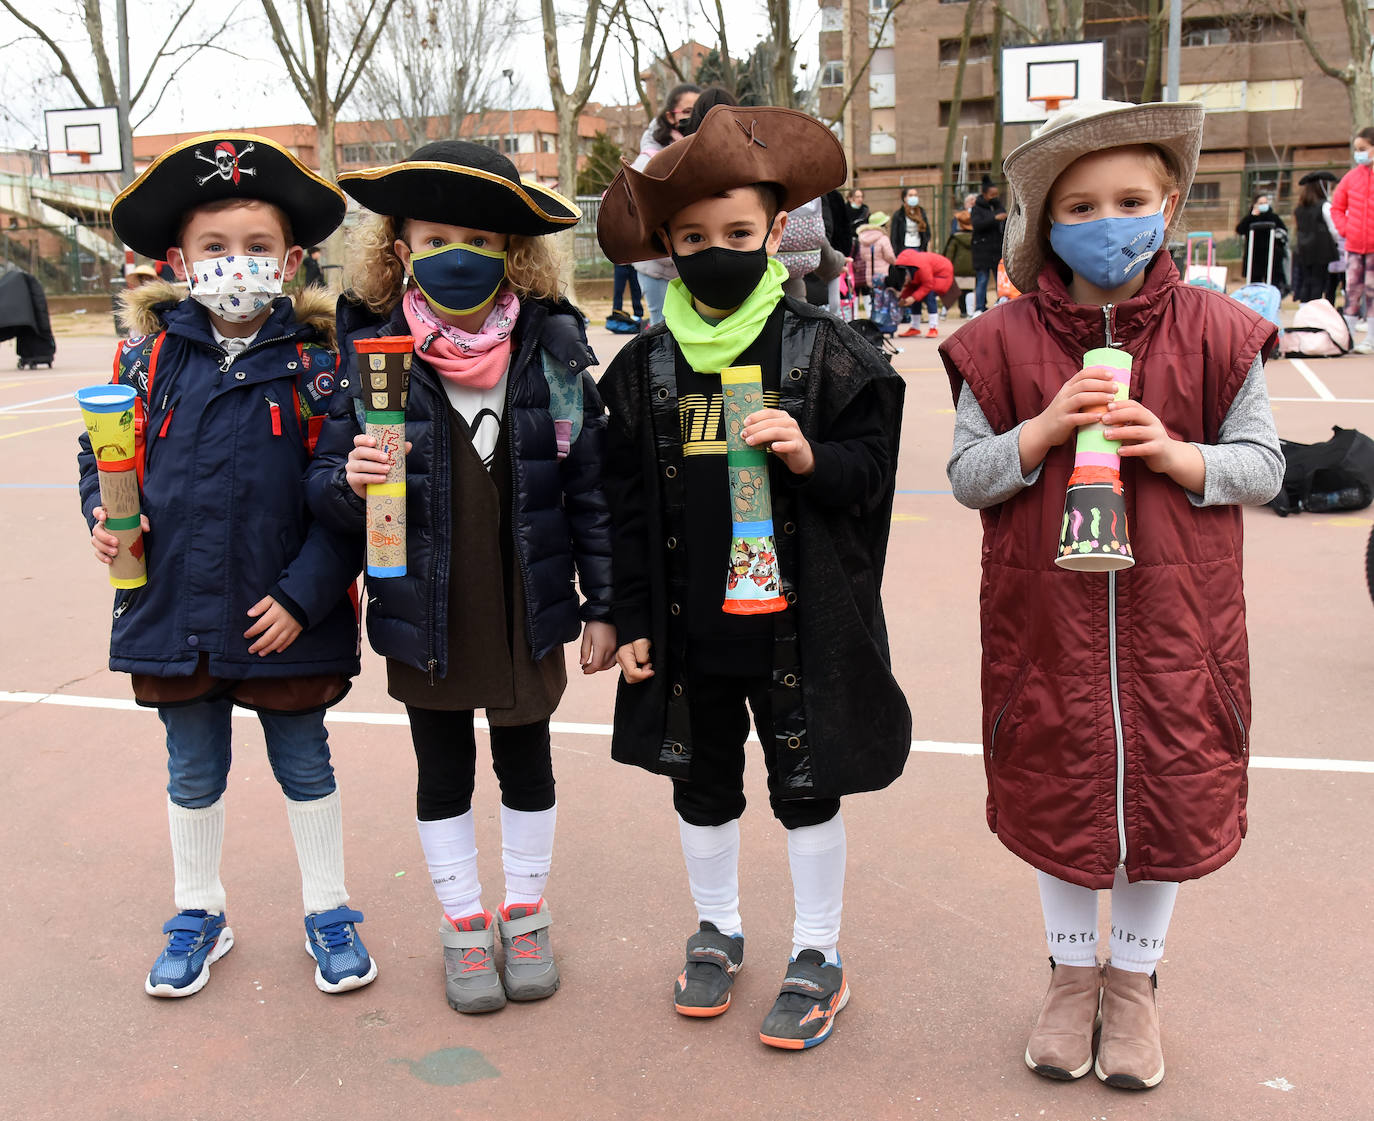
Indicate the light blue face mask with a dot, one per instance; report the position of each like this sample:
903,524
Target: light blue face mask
1362,155
458,279
1108,252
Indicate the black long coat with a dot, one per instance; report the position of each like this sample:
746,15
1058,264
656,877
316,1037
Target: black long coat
987,232
841,721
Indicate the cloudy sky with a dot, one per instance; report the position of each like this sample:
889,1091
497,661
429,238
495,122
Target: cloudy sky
216,89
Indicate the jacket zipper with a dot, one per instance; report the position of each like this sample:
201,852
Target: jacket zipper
1107,325
519,364
438,510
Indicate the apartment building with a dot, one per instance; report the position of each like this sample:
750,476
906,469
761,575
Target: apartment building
1272,113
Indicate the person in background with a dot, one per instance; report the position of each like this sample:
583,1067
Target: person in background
311,270
873,256
962,222
988,217
1352,210
858,209
666,127
1255,229
1317,249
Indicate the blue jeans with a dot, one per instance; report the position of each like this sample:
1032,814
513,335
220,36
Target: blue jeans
199,753
654,289
932,302
626,274
980,289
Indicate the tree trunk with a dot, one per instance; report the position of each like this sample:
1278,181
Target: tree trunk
328,153
1360,85
956,101
1149,88
997,32
780,19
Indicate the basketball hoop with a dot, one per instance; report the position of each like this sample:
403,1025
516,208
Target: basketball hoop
1051,102
75,153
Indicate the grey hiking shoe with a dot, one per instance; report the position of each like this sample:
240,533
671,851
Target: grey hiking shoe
530,972
472,983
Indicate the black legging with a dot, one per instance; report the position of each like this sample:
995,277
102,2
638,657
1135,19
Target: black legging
446,754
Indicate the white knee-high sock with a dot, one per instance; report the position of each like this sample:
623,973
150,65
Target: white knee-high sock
197,839
1070,920
450,846
527,852
317,829
1140,920
711,853
817,856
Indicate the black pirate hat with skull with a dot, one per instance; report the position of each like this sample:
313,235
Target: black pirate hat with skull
147,214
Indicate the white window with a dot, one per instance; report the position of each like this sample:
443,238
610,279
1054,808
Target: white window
882,91
832,73
884,61
832,19
875,23
1216,97
882,144
1282,93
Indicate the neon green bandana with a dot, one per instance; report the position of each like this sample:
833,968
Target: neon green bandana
710,348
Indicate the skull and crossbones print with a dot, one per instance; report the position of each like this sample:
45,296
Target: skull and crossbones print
228,163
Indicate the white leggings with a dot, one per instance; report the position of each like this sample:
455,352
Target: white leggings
1140,920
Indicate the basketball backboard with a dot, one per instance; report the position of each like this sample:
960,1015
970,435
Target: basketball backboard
1036,80
83,140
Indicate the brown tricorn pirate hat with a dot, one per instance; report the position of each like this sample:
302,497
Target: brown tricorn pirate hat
736,146
147,214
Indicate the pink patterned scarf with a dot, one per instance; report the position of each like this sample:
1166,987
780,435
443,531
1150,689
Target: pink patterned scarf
472,361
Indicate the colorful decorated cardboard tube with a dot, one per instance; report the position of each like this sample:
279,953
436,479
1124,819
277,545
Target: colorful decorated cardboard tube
384,371
752,583
1093,536
108,411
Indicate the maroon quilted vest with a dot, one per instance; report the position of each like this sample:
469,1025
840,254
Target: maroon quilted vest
1116,707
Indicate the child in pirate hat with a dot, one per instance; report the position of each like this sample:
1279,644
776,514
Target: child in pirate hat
816,675
249,599
505,435
1116,706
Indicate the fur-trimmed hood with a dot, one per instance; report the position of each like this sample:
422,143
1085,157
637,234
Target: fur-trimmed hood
141,309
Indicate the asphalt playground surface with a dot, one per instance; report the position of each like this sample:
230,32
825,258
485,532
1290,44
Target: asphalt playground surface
1265,989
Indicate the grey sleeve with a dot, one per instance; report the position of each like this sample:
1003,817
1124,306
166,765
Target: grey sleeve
1245,466
984,468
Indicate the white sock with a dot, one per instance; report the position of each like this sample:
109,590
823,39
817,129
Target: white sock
450,846
1070,920
527,852
317,829
711,853
1140,919
817,855
197,839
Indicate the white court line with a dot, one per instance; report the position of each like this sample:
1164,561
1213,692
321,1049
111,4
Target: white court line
41,412
1318,386
566,728
1319,400
37,401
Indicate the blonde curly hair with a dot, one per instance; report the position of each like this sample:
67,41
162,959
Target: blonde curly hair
378,279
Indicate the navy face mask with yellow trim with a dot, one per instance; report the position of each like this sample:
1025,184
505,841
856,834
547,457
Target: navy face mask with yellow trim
458,279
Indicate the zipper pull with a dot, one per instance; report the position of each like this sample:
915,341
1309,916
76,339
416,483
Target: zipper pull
123,607
276,415
1107,310
424,347
432,663
226,362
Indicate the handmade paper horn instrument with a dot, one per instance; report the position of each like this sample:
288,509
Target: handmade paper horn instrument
108,411
752,586
1093,537
384,367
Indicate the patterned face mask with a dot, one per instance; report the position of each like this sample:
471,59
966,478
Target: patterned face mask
235,288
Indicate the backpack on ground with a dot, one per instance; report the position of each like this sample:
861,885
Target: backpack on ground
1336,474
1318,331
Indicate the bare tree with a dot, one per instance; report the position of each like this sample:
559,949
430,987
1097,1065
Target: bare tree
784,52
956,101
436,62
309,53
1355,73
181,43
876,31
597,21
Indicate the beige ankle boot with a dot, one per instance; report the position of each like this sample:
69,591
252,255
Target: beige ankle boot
1129,1055
1061,1046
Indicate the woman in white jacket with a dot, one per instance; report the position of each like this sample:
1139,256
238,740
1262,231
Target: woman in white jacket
677,108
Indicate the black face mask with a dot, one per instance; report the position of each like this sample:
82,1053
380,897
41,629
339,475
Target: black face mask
722,278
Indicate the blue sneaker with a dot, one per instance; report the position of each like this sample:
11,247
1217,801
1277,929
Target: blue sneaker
341,960
196,938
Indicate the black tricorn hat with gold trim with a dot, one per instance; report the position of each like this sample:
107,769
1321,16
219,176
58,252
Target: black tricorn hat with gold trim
148,213
461,183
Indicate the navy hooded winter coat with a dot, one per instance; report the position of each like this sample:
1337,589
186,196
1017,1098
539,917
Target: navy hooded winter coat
560,518
224,494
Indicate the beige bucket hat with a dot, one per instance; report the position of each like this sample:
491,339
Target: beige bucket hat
1175,127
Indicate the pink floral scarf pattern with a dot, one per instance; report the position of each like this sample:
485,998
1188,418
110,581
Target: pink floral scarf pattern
471,361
